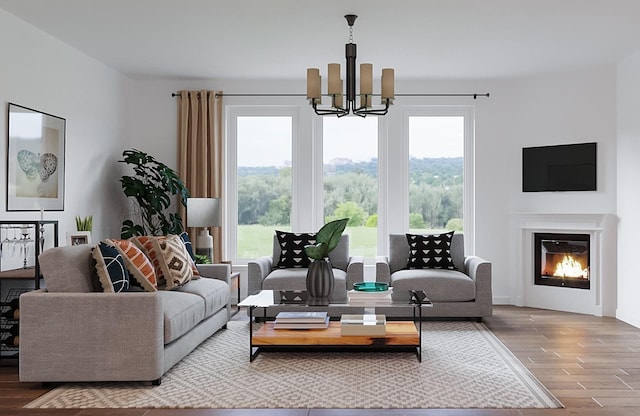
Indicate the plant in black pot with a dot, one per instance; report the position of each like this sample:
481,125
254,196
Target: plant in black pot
320,279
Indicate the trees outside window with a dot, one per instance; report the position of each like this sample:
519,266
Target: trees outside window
350,178
264,148
436,173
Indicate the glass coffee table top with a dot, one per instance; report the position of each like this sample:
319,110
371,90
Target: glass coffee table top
267,298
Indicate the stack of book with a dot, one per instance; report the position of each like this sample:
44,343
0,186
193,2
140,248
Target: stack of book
366,325
301,320
366,298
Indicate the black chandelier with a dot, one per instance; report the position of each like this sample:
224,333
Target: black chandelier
342,104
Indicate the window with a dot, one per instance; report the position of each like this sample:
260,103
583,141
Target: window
350,178
288,169
263,178
436,173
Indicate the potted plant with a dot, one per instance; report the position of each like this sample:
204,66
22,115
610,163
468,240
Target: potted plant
84,224
320,279
154,188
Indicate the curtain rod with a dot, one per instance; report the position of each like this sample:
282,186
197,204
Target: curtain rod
474,95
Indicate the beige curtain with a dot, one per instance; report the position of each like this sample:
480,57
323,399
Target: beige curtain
200,147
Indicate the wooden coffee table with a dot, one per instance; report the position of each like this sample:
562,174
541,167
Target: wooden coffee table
400,335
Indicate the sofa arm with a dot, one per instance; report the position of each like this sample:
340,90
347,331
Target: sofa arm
216,271
383,272
355,271
257,270
479,270
91,336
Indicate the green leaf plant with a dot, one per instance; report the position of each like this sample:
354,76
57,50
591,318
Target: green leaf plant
84,224
154,187
327,239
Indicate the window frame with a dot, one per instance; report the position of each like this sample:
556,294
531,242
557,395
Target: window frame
467,113
233,112
307,193
319,185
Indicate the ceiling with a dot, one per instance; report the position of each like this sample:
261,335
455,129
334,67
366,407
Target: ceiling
279,39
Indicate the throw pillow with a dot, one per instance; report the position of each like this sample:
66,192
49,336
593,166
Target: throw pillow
150,246
137,263
431,251
174,261
110,266
292,253
187,244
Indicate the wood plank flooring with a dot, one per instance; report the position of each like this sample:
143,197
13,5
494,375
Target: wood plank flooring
591,364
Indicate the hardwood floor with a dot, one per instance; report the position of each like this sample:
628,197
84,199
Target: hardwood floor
591,364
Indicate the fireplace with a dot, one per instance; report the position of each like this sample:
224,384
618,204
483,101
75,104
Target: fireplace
600,297
562,260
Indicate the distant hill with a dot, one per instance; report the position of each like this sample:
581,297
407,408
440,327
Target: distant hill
444,171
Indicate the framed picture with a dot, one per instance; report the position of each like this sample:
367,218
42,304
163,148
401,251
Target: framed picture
79,237
35,160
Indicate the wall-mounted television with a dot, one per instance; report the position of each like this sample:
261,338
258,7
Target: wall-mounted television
567,167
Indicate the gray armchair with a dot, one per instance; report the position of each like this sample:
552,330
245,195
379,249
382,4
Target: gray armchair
464,292
347,270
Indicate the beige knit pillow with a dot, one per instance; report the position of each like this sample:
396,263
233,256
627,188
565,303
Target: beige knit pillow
170,259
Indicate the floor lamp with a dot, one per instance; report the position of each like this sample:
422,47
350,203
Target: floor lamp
204,213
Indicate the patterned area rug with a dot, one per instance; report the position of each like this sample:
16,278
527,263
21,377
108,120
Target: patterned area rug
463,366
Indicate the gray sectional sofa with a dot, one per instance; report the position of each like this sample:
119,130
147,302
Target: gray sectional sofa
69,332
464,292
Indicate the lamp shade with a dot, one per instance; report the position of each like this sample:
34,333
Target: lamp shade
203,212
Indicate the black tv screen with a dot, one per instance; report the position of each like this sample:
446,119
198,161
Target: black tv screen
567,167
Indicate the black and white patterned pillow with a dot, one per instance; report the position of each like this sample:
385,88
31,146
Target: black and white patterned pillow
187,244
111,269
292,253
432,251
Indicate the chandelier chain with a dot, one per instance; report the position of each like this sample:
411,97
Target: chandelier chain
350,34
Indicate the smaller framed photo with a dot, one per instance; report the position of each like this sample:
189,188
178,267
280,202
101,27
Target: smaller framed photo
79,237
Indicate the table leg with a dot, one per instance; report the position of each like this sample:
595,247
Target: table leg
252,353
420,333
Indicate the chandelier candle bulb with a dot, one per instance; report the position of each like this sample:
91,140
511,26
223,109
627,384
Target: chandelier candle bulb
387,84
334,79
338,97
313,84
366,84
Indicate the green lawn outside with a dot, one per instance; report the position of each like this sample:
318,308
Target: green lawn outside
257,240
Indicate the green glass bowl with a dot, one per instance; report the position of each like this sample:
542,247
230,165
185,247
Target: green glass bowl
371,286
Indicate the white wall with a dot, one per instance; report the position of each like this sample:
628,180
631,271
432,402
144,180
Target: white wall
42,73
628,182
573,107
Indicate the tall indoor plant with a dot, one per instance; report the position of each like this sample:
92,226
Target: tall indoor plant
320,279
154,187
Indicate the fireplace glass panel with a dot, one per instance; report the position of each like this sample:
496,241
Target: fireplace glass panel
562,260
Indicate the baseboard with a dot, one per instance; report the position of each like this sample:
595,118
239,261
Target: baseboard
502,300
632,318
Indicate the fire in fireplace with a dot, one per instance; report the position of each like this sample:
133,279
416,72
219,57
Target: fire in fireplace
561,260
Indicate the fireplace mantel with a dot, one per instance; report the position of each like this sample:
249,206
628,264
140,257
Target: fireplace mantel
600,299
